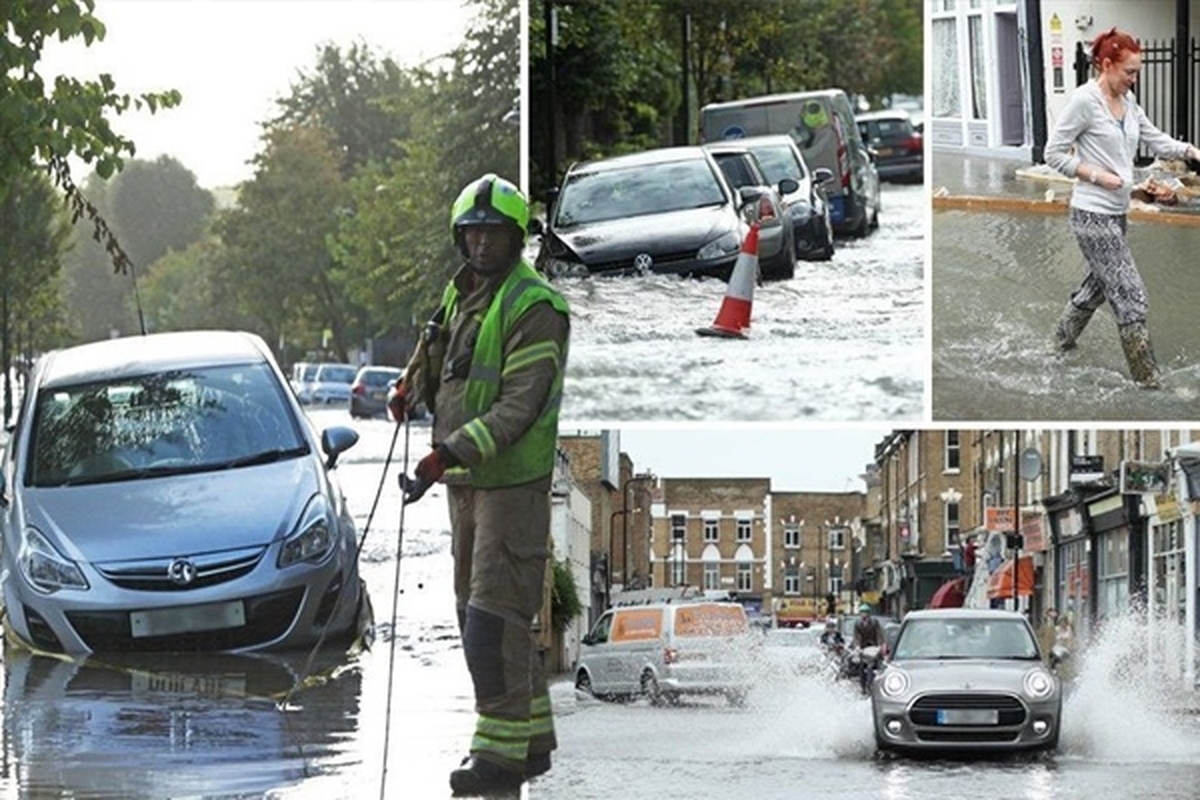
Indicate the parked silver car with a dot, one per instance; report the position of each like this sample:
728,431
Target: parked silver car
166,492
965,679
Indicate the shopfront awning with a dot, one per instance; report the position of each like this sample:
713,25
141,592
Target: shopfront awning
949,595
1001,583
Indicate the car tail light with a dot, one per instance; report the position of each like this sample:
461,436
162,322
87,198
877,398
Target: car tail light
766,211
670,655
358,389
914,143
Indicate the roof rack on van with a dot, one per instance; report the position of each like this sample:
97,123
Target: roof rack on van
674,594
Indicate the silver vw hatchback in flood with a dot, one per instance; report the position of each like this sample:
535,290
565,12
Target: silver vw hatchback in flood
966,679
166,492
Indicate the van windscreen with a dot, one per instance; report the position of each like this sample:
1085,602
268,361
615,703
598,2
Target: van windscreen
726,619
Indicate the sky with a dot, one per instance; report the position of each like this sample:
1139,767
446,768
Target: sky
231,59
795,459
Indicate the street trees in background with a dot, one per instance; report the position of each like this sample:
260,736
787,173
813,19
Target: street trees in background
617,65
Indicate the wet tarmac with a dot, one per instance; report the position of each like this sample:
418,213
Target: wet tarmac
1000,280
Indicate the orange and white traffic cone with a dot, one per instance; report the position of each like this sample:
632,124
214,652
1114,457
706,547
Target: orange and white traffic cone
733,319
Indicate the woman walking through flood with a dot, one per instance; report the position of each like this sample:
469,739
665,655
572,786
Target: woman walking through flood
1095,140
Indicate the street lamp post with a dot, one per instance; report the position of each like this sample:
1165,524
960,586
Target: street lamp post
641,478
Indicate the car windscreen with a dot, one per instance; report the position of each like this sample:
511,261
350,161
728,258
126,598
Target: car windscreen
965,638
165,423
615,193
336,373
778,162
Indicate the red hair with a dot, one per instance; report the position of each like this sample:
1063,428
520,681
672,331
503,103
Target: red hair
1113,45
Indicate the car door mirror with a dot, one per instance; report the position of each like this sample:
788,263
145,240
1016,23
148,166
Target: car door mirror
335,441
822,175
536,227
750,194
588,639
789,185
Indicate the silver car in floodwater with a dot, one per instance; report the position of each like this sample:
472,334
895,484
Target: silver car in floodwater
965,679
166,492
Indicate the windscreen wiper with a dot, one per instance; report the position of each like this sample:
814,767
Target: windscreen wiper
264,457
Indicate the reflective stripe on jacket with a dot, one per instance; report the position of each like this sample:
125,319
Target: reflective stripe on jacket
532,455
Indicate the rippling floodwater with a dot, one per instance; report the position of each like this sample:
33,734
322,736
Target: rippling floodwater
843,340
1000,281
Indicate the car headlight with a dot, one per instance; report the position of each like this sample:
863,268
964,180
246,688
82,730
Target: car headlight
800,209
44,567
558,268
1038,683
313,538
718,248
895,682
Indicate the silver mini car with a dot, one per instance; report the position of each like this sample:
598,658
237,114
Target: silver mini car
166,492
965,679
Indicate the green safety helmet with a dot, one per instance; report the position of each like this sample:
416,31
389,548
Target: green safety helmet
864,608
489,200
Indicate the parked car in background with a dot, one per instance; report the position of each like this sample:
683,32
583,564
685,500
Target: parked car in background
899,148
796,651
965,679
822,125
167,493
666,650
331,384
742,170
369,391
807,206
668,210
303,375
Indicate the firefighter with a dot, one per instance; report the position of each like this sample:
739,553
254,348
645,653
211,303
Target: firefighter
490,367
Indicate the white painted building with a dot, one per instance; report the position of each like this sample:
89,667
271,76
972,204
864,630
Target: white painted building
571,533
1000,71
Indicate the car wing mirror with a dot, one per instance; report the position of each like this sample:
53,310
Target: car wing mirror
588,639
536,227
335,441
789,185
750,194
822,175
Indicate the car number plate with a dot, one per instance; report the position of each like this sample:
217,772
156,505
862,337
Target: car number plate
200,685
884,151
968,716
185,619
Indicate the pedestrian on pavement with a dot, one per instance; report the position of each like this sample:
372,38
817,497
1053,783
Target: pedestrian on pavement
1095,140
490,366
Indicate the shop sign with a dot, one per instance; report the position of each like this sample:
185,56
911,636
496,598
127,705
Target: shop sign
1168,509
1145,477
998,519
1033,531
1087,469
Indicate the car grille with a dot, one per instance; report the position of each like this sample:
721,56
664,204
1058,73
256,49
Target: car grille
1011,715
663,262
268,617
153,575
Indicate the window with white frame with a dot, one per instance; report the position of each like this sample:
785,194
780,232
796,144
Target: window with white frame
744,579
952,525
791,581
712,529
744,528
837,538
947,100
678,527
835,586
953,455
712,575
791,534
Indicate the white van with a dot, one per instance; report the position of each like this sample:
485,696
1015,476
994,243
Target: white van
823,126
665,650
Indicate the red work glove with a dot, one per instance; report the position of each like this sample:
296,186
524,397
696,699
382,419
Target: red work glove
431,468
397,401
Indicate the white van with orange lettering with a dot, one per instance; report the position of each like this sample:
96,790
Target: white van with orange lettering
665,650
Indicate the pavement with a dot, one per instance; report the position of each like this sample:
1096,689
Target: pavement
959,173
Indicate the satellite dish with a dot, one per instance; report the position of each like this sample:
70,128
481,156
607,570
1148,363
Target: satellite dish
1031,463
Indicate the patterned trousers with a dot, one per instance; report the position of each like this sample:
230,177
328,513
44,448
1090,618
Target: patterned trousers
1111,273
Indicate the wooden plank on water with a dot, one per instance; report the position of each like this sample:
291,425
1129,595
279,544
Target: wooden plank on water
1020,205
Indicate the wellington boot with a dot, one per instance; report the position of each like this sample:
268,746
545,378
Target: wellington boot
1072,322
1135,340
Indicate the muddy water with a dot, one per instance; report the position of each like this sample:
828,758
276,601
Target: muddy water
999,282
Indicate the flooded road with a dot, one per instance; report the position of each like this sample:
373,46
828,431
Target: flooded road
213,726
842,340
1000,281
